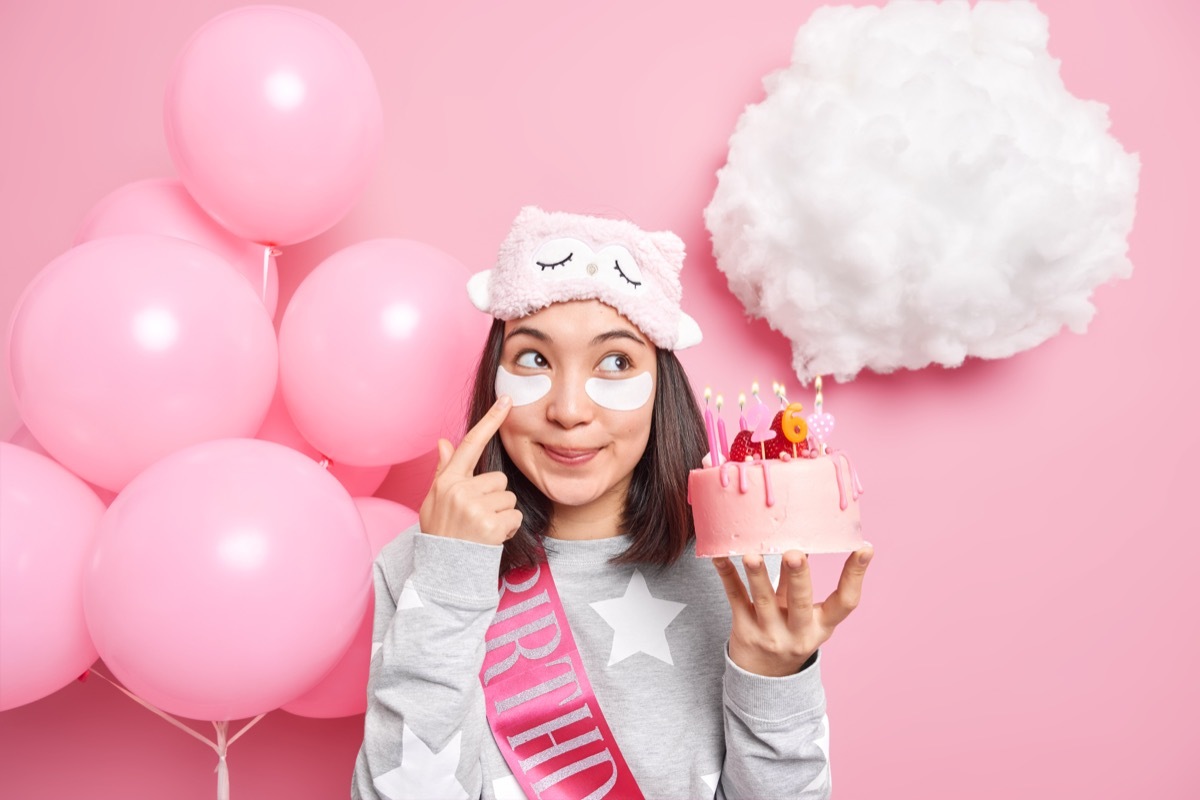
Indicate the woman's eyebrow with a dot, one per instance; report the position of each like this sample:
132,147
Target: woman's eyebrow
619,333
534,332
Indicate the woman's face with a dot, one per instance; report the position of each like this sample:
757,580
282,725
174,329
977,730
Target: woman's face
583,380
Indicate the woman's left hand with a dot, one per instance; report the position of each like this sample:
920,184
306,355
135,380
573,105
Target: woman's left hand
776,630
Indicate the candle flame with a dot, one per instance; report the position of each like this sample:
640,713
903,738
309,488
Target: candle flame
741,400
754,389
707,394
720,402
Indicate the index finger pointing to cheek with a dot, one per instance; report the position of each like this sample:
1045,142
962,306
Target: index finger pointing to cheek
470,449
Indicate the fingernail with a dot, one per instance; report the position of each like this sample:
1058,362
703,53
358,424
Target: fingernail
503,401
865,558
795,562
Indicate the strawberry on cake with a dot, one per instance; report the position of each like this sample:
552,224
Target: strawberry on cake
779,487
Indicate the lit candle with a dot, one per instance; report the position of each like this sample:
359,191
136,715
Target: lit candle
819,422
714,453
781,393
742,424
721,428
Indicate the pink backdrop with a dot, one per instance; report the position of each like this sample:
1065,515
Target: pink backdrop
1029,625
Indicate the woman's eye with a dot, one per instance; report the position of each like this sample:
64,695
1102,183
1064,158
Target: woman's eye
531,359
615,363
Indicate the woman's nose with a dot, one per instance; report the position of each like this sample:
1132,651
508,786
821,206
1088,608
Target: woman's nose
569,403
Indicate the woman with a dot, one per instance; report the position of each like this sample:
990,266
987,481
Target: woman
610,663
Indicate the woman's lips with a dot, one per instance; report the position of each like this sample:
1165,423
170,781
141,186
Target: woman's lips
570,458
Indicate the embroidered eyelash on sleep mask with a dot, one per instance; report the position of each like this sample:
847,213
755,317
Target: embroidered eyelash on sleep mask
552,257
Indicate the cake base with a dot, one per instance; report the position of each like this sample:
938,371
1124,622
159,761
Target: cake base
806,504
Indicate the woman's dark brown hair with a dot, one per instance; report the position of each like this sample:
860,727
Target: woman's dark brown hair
656,515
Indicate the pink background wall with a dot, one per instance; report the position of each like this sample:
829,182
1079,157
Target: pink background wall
1029,626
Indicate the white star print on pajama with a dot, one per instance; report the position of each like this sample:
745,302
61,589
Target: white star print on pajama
408,597
824,779
639,621
424,774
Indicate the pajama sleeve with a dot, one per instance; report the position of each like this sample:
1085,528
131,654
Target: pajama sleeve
776,735
434,599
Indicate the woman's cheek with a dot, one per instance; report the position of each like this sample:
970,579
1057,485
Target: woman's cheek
515,432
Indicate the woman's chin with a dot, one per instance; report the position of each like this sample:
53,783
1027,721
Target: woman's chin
573,492
572,496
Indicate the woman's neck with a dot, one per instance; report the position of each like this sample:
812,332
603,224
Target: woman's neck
600,519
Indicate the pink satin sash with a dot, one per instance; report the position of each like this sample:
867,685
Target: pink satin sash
540,705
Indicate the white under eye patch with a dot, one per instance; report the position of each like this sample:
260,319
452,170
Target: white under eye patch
523,389
625,394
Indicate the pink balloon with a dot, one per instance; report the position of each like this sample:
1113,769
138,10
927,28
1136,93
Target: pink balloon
279,428
408,482
274,122
163,206
344,690
48,520
227,579
376,350
127,348
23,438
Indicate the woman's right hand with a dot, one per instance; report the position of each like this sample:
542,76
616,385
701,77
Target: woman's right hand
463,505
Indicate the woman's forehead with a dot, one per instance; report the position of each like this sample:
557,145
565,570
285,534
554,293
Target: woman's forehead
577,323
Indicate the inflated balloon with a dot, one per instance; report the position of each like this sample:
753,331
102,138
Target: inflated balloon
279,428
274,122
227,579
344,690
376,349
48,520
126,348
21,437
162,205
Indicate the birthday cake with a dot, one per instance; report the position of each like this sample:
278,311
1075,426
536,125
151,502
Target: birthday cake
776,487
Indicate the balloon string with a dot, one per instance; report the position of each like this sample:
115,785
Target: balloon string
245,728
266,269
220,747
222,765
224,742
185,728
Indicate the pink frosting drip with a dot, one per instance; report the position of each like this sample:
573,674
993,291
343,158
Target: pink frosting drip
856,487
855,484
743,484
837,470
724,475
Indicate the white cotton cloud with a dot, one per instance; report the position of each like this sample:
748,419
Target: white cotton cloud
918,187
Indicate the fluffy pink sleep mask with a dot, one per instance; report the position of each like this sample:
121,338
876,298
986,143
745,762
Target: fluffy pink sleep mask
552,257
